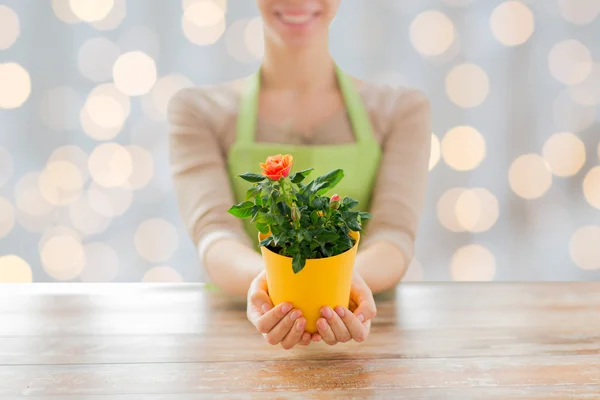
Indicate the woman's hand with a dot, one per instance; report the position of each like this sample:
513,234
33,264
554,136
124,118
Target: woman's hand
343,324
279,325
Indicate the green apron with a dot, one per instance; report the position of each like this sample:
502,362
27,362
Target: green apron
359,160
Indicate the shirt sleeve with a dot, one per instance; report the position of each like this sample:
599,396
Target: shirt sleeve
199,171
400,189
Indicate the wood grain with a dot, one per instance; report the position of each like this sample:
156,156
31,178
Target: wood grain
464,341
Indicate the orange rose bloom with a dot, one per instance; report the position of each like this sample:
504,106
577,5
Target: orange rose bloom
277,167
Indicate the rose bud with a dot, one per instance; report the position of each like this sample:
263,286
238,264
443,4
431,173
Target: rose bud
295,213
334,202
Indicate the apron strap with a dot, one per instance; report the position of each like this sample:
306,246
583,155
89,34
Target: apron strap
248,109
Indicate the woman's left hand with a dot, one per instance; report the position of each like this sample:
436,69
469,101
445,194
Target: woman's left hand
343,324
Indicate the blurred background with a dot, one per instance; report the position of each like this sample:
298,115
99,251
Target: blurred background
85,187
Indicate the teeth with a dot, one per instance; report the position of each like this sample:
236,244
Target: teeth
295,19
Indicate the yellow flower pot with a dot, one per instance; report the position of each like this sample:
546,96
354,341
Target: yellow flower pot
322,282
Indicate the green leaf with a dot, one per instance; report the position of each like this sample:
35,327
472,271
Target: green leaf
354,225
299,176
348,203
314,217
298,263
252,192
263,218
254,178
324,236
328,181
263,228
242,210
267,241
365,215
319,203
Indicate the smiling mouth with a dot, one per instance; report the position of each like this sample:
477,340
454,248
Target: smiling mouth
297,19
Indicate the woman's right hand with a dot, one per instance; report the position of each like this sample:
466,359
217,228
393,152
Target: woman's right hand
282,324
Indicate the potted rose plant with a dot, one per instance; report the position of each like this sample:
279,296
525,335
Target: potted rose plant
308,240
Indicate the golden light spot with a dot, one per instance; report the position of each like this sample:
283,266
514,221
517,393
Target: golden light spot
28,197
59,108
156,240
110,202
165,88
580,12
565,154
134,73
570,116
74,155
60,183
58,230
203,22
101,263
143,167
85,219
432,33
434,156
15,85
570,62
36,223
110,165
587,93
62,10
96,58
10,28
90,11
463,148
105,112
114,17
7,217
13,269
63,257
6,167
467,85
473,263
591,187
108,106
477,210
446,210
512,23
584,249
162,275
220,3
530,176
254,38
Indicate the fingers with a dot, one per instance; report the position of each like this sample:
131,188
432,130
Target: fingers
272,317
306,338
283,327
362,296
340,331
325,331
295,334
357,330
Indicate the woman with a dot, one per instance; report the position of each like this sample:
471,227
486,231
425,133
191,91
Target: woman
302,101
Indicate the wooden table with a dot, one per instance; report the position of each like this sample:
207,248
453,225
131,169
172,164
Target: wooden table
429,341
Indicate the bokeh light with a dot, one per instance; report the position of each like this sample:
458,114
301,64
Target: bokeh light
134,73
96,58
63,257
114,17
62,10
565,153
203,22
467,85
105,111
74,155
112,105
7,217
60,107
512,23
570,116
90,11
15,85
162,274
477,210
587,93
140,38
85,219
156,240
473,263
432,33
10,28
570,62
446,209
164,90
110,202
60,183
6,167
143,167
240,45
580,12
254,38
530,176
463,148
29,198
57,230
591,187
110,165
220,3
13,269
101,263
584,248
434,156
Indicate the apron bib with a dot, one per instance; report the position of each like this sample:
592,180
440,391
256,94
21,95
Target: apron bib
359,160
